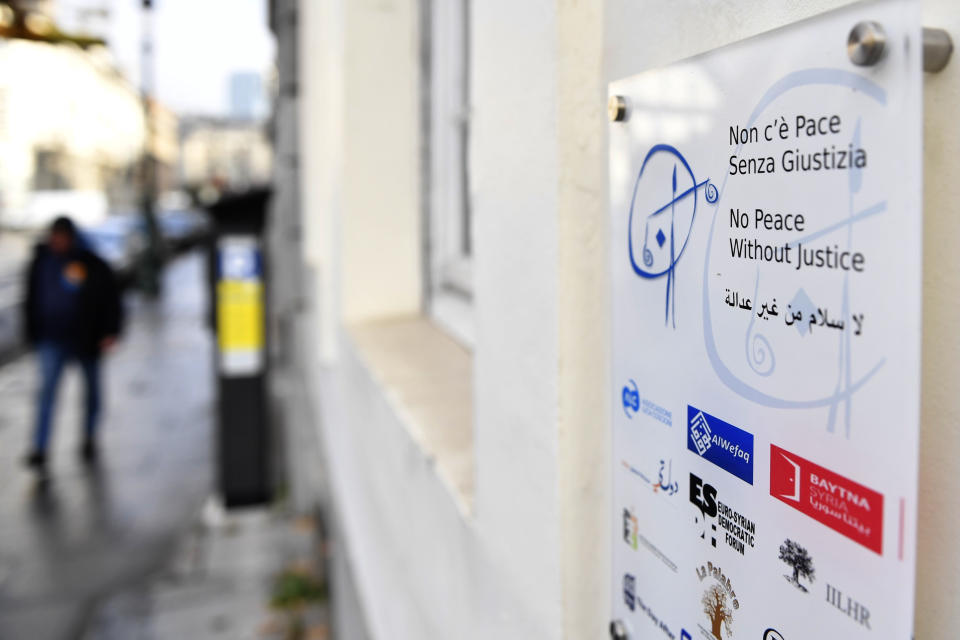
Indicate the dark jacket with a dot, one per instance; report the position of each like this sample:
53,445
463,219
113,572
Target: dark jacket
94,311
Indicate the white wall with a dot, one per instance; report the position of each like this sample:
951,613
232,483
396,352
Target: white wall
423,567
321,86
582,362
532,560
380,258
514,169
938,557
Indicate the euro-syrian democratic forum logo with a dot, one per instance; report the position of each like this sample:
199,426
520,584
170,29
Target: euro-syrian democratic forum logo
723,444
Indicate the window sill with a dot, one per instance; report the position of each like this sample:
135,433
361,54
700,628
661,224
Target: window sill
453,313
428,378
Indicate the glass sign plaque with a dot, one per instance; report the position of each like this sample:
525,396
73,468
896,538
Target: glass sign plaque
766,220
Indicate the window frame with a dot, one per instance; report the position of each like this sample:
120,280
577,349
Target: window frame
449,238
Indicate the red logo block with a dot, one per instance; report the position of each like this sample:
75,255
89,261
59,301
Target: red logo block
841,504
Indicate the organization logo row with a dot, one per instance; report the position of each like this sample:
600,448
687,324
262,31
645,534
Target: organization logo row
833,500
721,602
847,507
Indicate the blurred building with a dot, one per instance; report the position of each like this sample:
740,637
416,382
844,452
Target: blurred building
164,147
46,7
442,366
87,17
71,133
247,97
223,154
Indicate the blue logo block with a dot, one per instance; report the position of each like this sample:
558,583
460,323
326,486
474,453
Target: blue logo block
631,399
629,591
723,444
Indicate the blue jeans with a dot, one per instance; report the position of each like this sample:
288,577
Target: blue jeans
53,356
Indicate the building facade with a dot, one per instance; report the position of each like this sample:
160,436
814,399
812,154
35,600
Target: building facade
81,135
247,99
219,155
445,372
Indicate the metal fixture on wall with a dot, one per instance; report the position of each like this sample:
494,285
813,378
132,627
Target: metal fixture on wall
937,49
617,108
618,630
867,42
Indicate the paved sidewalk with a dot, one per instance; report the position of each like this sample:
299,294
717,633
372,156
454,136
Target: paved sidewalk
15,251
15,248
70,542
219,582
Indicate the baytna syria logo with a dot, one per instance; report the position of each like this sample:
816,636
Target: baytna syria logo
723,444
772,634
798,559
630,397
845,506
664,204
719,601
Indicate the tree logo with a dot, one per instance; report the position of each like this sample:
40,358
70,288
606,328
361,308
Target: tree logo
719,602
718,611
799,560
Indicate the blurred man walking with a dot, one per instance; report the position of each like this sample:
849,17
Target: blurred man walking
73,313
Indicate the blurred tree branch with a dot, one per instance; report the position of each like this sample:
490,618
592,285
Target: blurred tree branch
19,21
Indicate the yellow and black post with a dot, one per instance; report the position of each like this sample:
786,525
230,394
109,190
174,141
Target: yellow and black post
239,317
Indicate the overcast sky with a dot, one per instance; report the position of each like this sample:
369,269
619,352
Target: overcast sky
198,44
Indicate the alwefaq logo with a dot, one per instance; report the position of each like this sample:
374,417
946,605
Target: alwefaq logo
837,502
723,444
739,532
700,433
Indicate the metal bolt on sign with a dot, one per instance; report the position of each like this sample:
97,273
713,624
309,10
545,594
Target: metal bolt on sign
617,108
618,630
867,42
937,49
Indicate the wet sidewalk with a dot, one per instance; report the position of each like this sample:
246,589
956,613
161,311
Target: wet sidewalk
255,574
69,543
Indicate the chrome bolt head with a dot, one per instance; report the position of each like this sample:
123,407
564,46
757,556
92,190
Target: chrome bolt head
617,108
866,43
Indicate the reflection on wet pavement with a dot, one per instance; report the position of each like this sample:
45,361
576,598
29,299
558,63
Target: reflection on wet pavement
67,542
